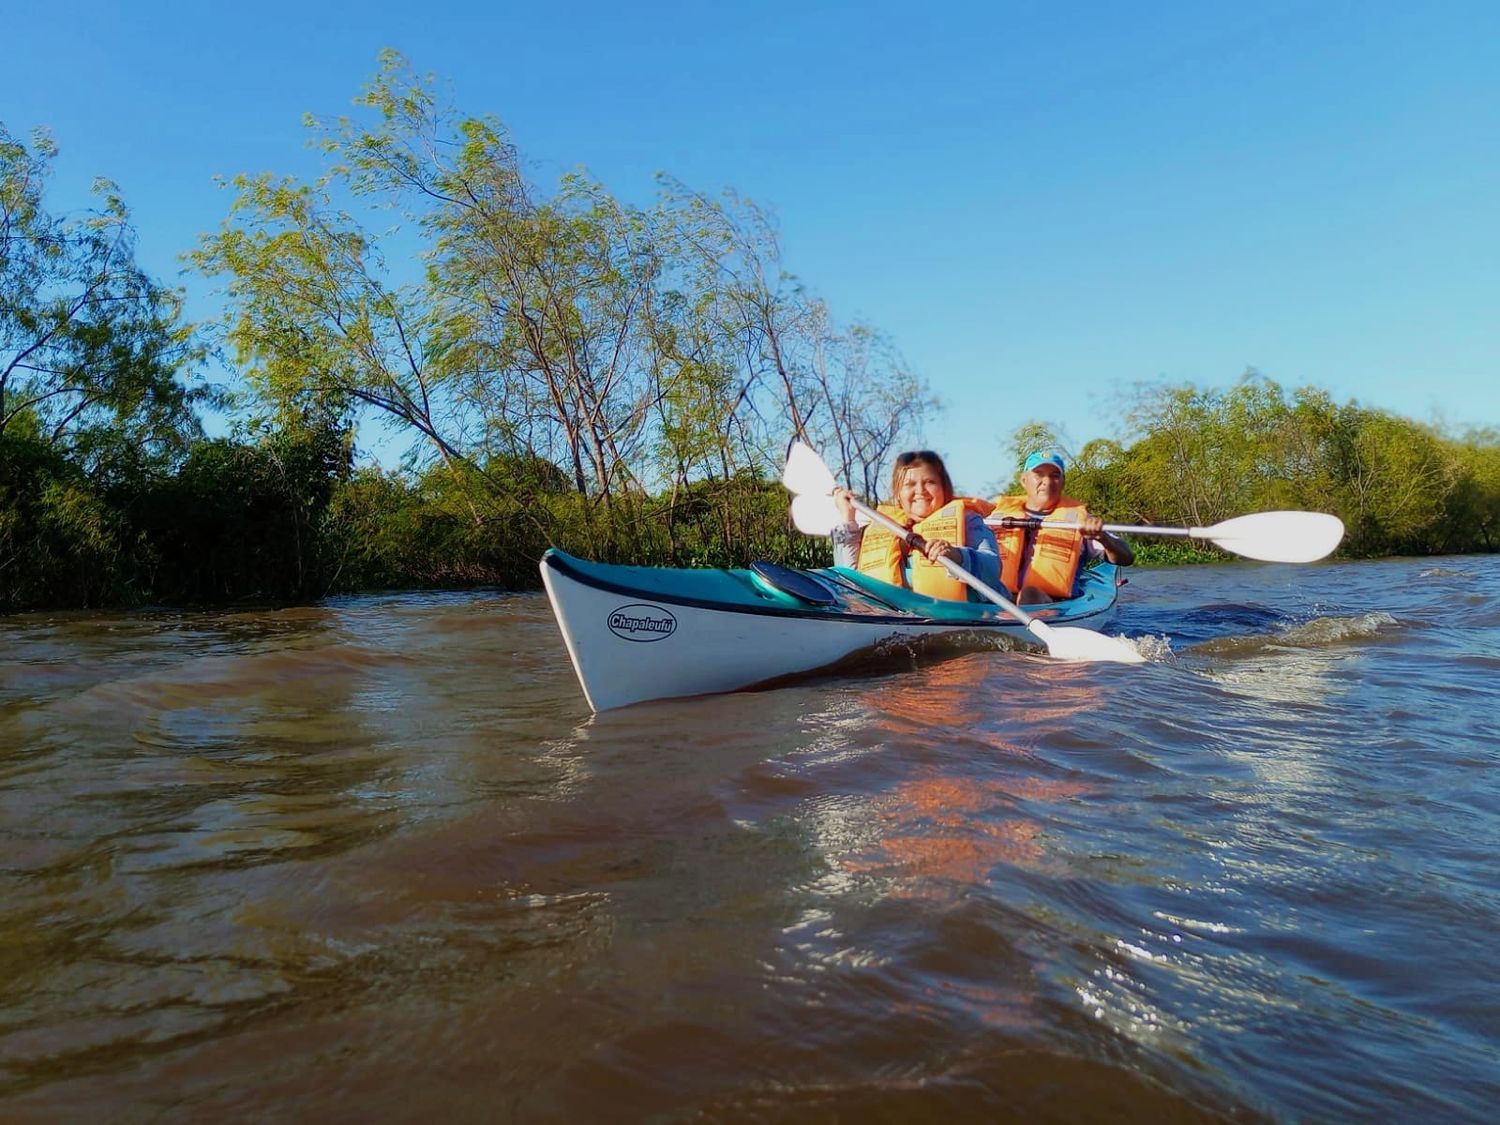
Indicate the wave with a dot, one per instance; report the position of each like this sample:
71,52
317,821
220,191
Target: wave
1319,632
207,678
1444,572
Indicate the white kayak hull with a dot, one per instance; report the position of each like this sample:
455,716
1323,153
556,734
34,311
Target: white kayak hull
637,633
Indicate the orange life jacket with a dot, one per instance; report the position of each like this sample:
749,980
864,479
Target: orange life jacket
883,555
1055,555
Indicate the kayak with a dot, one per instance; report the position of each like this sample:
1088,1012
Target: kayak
636,633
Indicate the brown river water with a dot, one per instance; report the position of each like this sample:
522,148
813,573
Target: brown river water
375,860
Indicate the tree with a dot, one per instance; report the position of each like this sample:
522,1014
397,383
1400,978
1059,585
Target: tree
521,336
847,392
246,518
634,347
1398,481
313,321
1473,518
90,346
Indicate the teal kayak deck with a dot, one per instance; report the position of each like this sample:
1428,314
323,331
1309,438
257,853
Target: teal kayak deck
846,593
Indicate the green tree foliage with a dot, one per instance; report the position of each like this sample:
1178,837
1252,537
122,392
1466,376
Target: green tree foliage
576,371
1200,456
637,348
1474,511
92,409
247,519
90,346
758,357
61,542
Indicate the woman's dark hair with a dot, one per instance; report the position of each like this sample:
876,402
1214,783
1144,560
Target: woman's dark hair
913,459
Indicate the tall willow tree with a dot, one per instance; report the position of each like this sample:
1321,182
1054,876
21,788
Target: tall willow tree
90,345
634,347
846,390
514,329
316,324
92,409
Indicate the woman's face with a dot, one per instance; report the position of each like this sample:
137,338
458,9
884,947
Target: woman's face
921,492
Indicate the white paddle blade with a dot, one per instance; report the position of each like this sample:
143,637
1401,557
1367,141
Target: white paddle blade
805,472
1290,537
815,515
1084,645
819,515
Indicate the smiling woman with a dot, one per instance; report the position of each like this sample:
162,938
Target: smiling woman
920,482
944,527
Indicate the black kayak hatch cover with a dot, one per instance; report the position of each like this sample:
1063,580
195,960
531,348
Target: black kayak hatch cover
797,583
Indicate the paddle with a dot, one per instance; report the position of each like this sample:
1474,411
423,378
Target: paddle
806,475
1290,537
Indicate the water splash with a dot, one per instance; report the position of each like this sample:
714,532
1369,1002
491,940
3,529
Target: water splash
1156,648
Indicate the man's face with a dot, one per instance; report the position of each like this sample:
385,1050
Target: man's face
1043,486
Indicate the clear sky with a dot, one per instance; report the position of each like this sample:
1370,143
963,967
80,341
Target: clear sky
1044,205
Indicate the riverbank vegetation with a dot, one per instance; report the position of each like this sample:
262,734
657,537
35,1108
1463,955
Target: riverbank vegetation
562,367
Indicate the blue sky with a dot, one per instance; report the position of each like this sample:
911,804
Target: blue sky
1044,205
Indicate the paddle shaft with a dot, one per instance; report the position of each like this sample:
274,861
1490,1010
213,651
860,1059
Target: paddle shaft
1067,525
914,540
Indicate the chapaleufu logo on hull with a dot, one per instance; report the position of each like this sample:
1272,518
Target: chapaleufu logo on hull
639,622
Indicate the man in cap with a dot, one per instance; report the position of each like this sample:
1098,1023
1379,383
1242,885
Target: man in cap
1040,558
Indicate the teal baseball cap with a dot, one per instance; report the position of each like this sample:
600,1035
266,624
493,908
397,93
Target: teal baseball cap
1050,457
